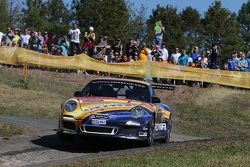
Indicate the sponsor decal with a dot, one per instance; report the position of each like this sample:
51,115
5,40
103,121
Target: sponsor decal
102,106
117,82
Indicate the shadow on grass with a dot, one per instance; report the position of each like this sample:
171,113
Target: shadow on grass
86,144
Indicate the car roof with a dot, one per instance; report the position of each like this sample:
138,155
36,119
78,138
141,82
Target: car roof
120,79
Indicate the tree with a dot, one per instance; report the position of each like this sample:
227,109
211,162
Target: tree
221,24
15,13
34,14
3,15
191,27
244,20
137,23
172,23
109,18
49,16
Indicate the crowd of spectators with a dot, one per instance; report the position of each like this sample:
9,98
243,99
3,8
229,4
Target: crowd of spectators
133,50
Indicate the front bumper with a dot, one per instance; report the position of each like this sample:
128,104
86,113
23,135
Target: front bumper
123,132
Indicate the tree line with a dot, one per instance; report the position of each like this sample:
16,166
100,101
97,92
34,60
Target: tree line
119,19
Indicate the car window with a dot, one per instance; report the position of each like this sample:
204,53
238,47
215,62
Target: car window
117,89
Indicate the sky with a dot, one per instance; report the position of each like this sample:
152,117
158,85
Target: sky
200,5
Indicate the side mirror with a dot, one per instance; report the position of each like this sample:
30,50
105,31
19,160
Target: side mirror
77,93
156,99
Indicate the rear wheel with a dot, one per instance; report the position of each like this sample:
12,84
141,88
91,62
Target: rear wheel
166,138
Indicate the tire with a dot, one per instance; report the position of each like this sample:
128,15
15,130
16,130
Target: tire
67,138
166,138
150,136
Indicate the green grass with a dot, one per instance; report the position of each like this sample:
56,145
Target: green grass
42,98
211,112
9,130
207,154
214,112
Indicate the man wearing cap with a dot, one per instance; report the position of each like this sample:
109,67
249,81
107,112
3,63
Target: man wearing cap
74,34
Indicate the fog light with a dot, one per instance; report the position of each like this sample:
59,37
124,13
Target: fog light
133,123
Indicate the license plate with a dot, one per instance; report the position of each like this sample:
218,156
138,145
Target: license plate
98,121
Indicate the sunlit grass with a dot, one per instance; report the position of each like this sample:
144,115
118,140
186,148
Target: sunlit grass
8,130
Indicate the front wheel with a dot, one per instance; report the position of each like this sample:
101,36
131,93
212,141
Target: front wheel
150,137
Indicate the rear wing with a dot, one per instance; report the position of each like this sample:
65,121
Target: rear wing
163,87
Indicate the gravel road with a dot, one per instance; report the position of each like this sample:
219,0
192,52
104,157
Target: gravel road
40,146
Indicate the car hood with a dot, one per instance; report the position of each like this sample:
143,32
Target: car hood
91,105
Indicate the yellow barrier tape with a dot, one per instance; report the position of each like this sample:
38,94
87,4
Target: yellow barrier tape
10,55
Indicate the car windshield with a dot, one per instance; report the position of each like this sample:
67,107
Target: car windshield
117,89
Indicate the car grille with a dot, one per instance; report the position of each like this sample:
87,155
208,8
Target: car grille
99,130
69,125
129,130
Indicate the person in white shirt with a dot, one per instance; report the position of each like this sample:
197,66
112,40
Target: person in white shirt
175,56
74,34
1,37
25,37
164,53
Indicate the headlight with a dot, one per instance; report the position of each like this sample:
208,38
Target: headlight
133,123
137,112
70,106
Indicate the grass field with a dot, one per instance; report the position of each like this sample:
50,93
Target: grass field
9,130
211,112
221,153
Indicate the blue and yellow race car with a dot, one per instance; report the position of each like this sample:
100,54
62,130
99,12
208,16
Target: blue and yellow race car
116,108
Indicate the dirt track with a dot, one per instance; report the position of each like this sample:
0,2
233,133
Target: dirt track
40,146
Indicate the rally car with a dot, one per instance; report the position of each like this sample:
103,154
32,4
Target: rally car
116,108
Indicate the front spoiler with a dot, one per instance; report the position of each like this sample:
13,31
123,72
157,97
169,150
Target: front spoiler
82,134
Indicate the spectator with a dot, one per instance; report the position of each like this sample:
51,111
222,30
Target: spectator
53,50
203,61
89,39
16,39
232,61
8,37
74,34
214,56
46,38
164,53
242,63
40,36
248,60
103,43
183,59
34,42
53,40
1,37
64,45
129,47
157,54
195,54
25,37
118,47
159,30
190,59
143,54
175,56
45,49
